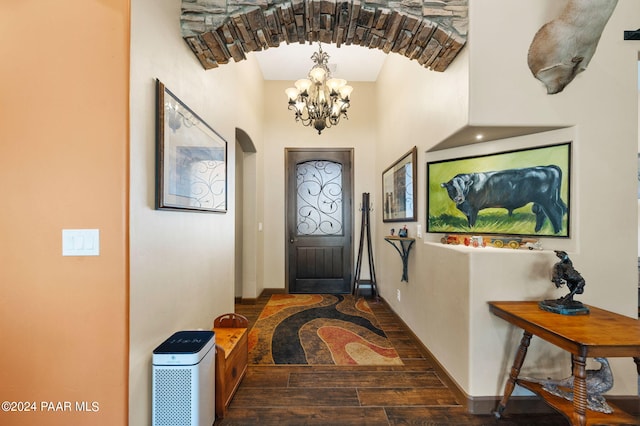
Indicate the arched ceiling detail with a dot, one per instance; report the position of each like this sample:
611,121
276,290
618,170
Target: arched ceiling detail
430,32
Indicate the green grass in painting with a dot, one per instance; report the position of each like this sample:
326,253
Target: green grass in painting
492,221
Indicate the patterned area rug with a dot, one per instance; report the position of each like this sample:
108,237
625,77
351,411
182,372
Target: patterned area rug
319,329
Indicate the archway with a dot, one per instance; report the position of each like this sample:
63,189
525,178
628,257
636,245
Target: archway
246,231
432,33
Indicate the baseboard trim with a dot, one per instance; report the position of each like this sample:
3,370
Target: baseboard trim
265,292
517,404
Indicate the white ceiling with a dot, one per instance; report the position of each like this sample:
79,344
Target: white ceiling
292,62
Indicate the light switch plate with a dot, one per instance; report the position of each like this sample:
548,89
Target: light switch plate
80,242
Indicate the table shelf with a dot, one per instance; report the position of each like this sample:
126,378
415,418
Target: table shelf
618,417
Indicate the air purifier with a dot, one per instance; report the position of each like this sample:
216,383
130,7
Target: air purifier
184,380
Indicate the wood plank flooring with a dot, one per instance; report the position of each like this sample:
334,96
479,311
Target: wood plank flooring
412,394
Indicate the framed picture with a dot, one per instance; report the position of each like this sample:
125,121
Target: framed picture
399,189
523,192
191,166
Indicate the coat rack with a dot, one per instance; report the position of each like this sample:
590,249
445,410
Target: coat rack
365,232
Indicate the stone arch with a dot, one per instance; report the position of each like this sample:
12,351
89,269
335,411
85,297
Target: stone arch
430,32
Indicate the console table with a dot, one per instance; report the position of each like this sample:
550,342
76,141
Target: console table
599,334
403,251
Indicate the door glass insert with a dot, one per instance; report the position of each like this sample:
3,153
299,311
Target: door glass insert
319,200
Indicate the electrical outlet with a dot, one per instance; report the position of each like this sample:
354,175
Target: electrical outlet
398,294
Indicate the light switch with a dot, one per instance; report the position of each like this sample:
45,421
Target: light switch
419,231
80,242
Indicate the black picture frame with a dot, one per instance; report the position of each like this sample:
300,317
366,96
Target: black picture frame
457,190
191,158
399,189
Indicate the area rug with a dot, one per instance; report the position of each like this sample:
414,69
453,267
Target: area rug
319,329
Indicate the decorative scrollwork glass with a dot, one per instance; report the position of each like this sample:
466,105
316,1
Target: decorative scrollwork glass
319,200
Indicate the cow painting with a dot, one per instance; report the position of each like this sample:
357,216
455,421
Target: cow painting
510,189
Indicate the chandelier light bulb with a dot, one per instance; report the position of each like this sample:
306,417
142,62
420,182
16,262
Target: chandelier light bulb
303,86
292,94
345,92
319,100
317,75
334,85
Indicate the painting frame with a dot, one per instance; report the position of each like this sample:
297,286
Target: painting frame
399,189
541,174
191,158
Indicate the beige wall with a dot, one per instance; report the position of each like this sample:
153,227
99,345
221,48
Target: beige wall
64,80
182,264
445,299
281,131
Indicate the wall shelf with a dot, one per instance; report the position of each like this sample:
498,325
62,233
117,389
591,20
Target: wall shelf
403,249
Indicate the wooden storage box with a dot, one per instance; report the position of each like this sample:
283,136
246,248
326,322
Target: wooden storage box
231,357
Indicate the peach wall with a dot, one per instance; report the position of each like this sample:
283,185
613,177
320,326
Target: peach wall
63,164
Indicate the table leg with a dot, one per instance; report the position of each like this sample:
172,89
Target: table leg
579,389
513,375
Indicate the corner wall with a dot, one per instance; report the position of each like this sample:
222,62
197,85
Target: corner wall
601,106
64,165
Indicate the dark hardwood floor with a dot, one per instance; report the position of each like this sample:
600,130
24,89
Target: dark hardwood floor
412,394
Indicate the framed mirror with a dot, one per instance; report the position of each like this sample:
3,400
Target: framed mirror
399,189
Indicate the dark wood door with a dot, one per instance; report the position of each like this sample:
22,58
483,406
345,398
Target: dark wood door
319,220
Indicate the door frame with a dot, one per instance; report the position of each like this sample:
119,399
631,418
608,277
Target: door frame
350,207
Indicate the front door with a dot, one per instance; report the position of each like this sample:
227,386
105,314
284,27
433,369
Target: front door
319,220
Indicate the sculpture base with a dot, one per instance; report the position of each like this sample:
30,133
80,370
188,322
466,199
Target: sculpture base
564,308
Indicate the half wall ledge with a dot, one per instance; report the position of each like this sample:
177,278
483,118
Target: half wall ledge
432,33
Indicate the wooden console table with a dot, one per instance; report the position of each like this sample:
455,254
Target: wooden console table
599,334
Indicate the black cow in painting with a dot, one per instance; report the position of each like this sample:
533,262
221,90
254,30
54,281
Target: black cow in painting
511,189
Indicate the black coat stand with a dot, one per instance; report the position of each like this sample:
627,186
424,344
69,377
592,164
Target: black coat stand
365,233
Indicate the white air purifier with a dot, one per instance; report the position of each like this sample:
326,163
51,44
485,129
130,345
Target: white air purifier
184,380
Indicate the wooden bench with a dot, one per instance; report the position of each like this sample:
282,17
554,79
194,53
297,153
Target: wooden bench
231,357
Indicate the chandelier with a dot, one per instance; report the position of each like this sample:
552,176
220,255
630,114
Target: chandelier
319,100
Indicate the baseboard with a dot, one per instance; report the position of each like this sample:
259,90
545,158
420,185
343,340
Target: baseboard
517,404
265,292
628,404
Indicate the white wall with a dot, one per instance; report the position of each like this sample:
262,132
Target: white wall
181,264
447,309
